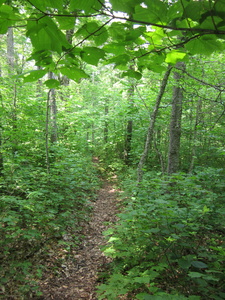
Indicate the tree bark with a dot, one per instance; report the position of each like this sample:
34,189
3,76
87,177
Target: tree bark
10,50
175,122
11,71
1,142
53,113
1,131
150,131
129,128
47,133
195,133
159,153
106,125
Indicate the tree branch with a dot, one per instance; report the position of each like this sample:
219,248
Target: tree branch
84,39
217,87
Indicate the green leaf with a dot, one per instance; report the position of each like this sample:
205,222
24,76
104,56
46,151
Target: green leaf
205,209
34,75
126,6
74,73
142,14
85,5
92,55
156,12
204,45
133,74
43,5
174,56
184,263
118,31
109,251
87,29
208,24
112,239
42,58
119,5
175,10
194,10
52,83
134,33
195,274
199,264
39,4
115,48
219,6
45,35
101,36
66,23
142,279
120,59
6,17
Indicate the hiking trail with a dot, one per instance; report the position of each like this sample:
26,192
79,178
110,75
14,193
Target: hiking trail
77,277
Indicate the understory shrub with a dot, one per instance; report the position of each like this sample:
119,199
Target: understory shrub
169,241
37,209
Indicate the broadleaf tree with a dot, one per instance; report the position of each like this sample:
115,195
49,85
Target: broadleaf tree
171,30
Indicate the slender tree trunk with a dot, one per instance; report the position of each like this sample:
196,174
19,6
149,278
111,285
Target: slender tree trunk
150,131
39,87
53,113
64,79
1,153
159,153
47,133
129,129
175,123
10,50
1,131
106,126
194,139
11,65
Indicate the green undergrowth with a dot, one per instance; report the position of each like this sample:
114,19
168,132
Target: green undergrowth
38,209
169,241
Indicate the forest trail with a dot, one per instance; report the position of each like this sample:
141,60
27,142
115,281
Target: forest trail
77,280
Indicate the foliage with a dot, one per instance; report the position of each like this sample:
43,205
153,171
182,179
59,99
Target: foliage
37,210
169,241
178,31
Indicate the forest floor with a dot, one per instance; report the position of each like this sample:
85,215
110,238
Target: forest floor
77,277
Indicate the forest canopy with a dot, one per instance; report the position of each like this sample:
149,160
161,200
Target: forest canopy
149,33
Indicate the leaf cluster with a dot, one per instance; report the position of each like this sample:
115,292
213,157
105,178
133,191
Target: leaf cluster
144,32
169,243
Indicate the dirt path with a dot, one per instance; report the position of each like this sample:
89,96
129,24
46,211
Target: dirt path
78,280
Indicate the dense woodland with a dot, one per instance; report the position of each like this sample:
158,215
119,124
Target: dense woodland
140,85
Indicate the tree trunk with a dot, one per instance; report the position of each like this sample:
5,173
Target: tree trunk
1,145
150,131
10,50
1,130
64,79
175,122
159,153
53,113
47,133
11,66
106,125
194,139
129,129
1,153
